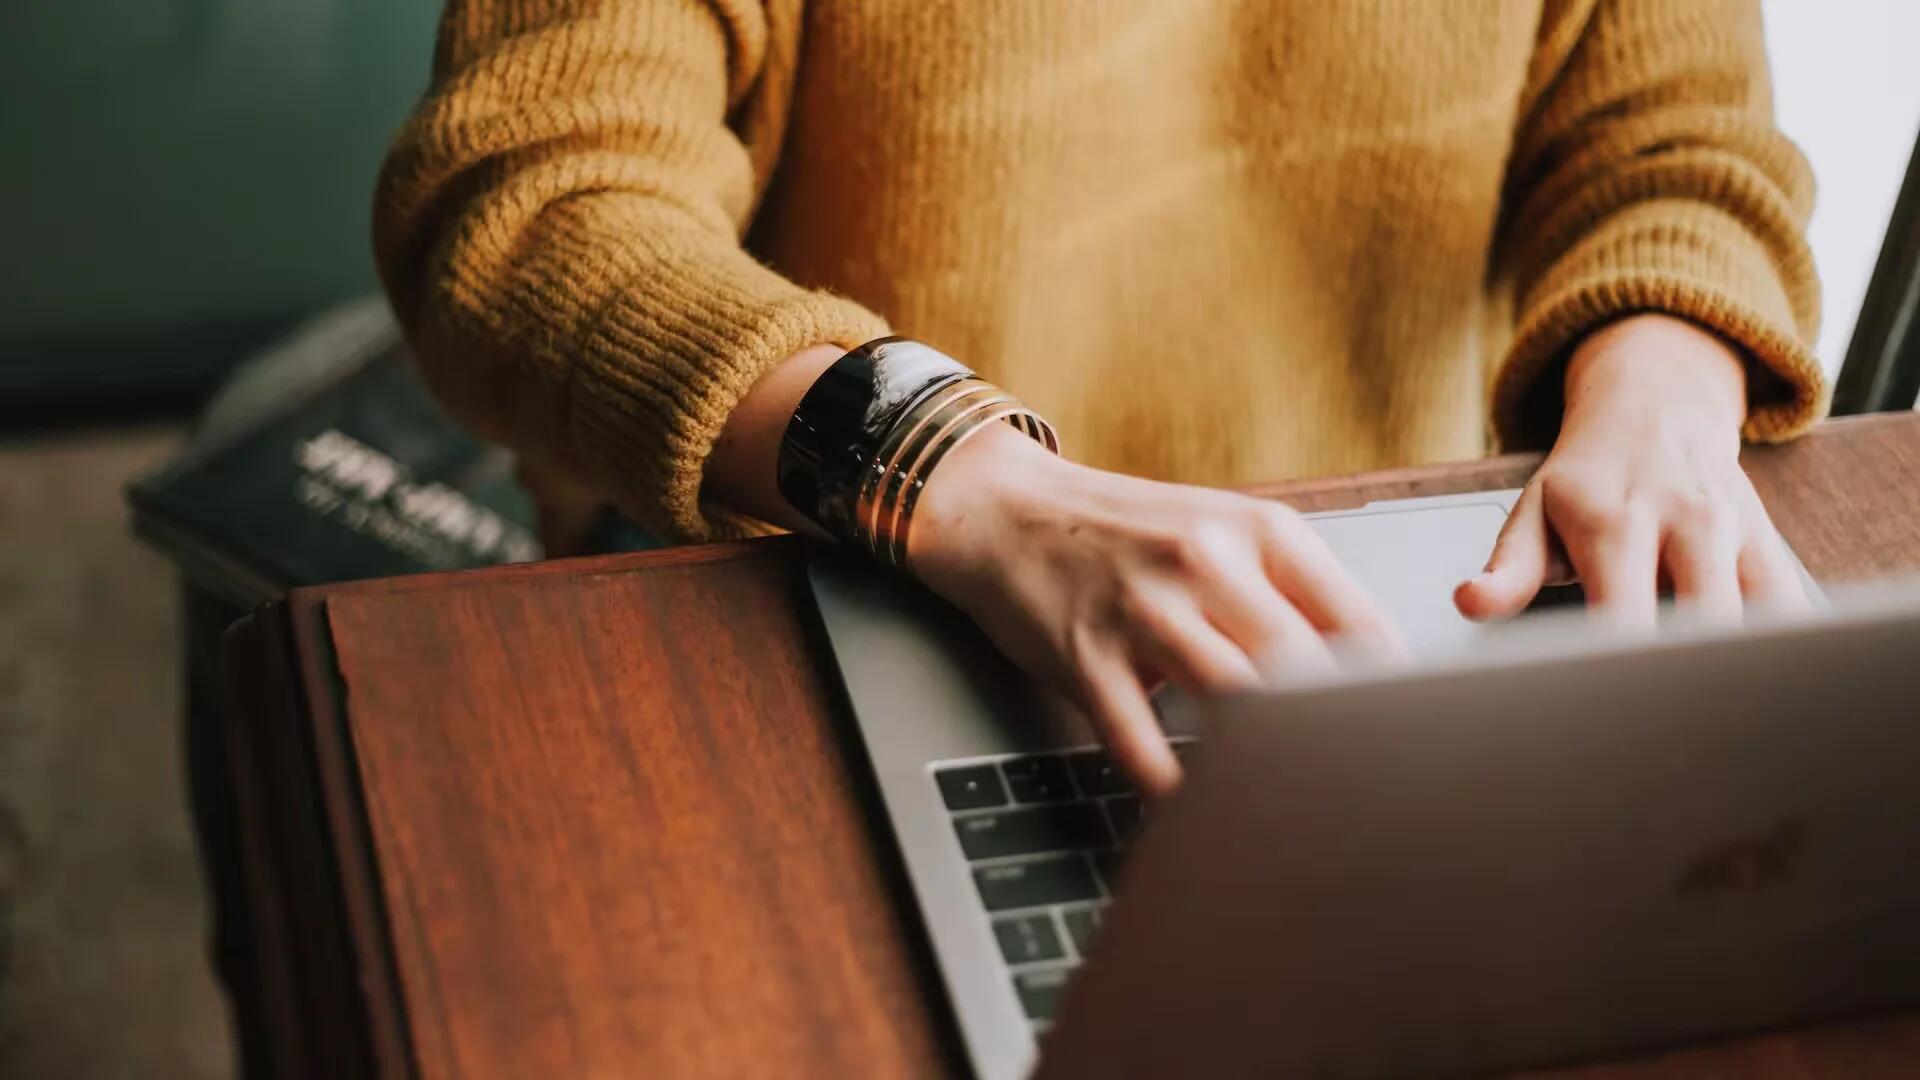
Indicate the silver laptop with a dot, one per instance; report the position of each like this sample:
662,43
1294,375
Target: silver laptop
1587,847
1011,822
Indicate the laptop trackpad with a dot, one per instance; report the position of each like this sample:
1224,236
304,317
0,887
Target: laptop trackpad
1411,559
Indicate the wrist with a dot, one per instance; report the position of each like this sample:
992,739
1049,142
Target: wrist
742,470
1656,365
966,497
868,436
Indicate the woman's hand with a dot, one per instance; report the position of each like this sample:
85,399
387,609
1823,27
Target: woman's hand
1100,582
1643,488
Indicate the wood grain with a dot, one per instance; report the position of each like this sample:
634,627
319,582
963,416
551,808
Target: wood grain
604,817
617,834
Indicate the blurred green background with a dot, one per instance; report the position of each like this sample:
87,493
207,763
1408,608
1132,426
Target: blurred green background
183,178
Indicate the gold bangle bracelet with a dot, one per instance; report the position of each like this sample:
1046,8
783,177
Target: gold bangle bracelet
907,442
901,524
917,440
956,423
885,510
856,453
885,524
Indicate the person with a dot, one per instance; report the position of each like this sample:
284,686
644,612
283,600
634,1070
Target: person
1209,244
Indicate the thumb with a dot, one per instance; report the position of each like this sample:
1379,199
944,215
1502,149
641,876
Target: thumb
1517,569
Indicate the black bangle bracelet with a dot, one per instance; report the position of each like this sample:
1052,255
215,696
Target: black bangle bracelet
843,419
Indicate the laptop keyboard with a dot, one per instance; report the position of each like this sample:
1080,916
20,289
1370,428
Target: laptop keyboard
1043,835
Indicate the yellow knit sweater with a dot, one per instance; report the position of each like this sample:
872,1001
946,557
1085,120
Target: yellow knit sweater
1215,242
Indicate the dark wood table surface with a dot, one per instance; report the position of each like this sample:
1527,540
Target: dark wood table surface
607,817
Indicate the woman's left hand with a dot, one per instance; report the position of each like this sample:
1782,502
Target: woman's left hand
1643,488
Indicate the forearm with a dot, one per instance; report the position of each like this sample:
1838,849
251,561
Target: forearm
567,261
1649,177
742,469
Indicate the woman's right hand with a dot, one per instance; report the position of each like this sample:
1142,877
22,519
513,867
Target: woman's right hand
1103,583
1100,583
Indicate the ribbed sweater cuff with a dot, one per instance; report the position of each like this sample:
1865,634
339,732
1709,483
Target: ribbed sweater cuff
658,381
1705,269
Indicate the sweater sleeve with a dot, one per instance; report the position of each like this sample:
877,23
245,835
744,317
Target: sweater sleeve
558,226
1647,175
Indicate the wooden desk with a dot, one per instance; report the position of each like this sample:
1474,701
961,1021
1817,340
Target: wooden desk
606,818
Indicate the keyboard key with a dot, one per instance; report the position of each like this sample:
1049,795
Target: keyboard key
1027,938
971,787
1033,831
1109,863
1060,880
1125,813
1040,991
1081,923
1097,773
1037,779
1558,596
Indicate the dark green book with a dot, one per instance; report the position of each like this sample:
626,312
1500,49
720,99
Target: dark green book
339,465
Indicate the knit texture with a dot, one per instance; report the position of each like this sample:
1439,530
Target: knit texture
1212,242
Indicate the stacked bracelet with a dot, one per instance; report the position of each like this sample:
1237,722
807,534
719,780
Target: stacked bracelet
871,430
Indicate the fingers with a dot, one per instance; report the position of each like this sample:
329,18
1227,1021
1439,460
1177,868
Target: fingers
1710,539
1122,715
1311,578
1271,632
1617,556
1217,632
1701,556
1173,638
1768,576
1249,633
1519,565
